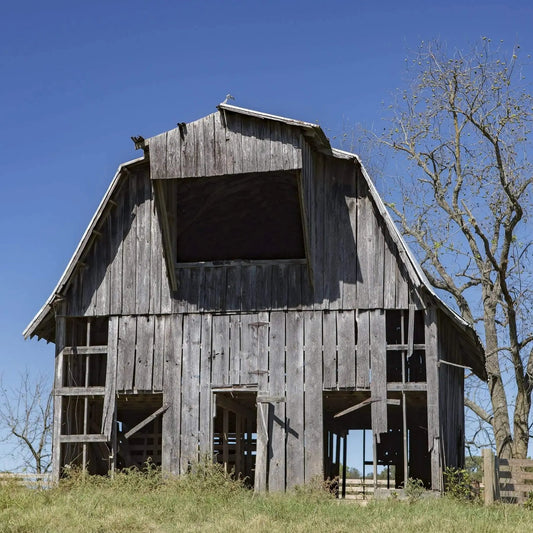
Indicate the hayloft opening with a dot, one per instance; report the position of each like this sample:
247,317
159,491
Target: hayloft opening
239,217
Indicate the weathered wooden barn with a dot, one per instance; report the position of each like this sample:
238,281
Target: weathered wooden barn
242,293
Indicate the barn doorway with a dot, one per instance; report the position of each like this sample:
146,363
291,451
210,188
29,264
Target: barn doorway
351,452
235,432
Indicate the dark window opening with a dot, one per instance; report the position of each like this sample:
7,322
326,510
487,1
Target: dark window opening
92,331
239,217
146,443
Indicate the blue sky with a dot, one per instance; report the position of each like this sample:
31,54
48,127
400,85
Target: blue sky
79,78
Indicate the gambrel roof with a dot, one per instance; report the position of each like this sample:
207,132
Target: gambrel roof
43,323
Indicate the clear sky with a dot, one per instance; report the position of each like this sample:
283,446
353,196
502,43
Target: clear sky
77,79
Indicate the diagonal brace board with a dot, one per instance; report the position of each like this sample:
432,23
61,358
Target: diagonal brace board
359,405
146,421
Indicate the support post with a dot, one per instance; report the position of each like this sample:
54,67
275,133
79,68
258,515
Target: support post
490,477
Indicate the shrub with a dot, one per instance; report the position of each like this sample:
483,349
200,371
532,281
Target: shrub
458,484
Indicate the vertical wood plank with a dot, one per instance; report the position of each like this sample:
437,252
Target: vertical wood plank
190,390
129,248
159,352
389,276
234,149
126,352
276,467
346,348
377,261
234,352
330,349
280,287
363,350
250,144
294,287
349,265
208,130
432,377
156,259
364,245
219,145
188,152
263,142
248,288
249,348
220,351
173,154
144,357
314,441
378,383
158,156
262,444
60,339
108,416
143,233
295,408
233,288
115,253
205,419
263,286
171,429
319,184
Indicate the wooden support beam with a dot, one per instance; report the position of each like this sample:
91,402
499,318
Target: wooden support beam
146,421
353,408
89,437
84,350
80,391
368,401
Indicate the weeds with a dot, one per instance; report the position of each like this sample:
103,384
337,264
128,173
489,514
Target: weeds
458,484
414,489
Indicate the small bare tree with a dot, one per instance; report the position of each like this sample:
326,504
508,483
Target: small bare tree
26,422
463,129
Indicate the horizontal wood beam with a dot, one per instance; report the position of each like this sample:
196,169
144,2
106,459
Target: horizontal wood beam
146,421
408,387
79,391
85,350
95,437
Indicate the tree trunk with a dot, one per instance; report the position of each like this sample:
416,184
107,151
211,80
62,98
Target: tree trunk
520,424
500,422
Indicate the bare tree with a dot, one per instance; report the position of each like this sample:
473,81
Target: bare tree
463,127
26,422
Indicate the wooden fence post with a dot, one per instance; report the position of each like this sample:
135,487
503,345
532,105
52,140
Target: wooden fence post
490,477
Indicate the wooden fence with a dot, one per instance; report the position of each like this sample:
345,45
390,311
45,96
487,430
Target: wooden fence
362,489
507,480
33,481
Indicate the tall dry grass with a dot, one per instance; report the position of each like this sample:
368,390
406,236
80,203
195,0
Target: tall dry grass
209,500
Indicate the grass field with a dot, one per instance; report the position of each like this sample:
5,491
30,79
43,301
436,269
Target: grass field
209,501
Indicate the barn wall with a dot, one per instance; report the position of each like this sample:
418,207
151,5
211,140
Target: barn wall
451,389
290,329
124,270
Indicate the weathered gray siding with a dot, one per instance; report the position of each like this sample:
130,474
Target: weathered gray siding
124,272
225,143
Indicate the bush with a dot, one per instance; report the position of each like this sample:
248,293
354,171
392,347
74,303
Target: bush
458,484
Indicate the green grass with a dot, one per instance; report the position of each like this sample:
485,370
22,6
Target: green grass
209,501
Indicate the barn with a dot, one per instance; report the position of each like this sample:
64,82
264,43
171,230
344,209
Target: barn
242,294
